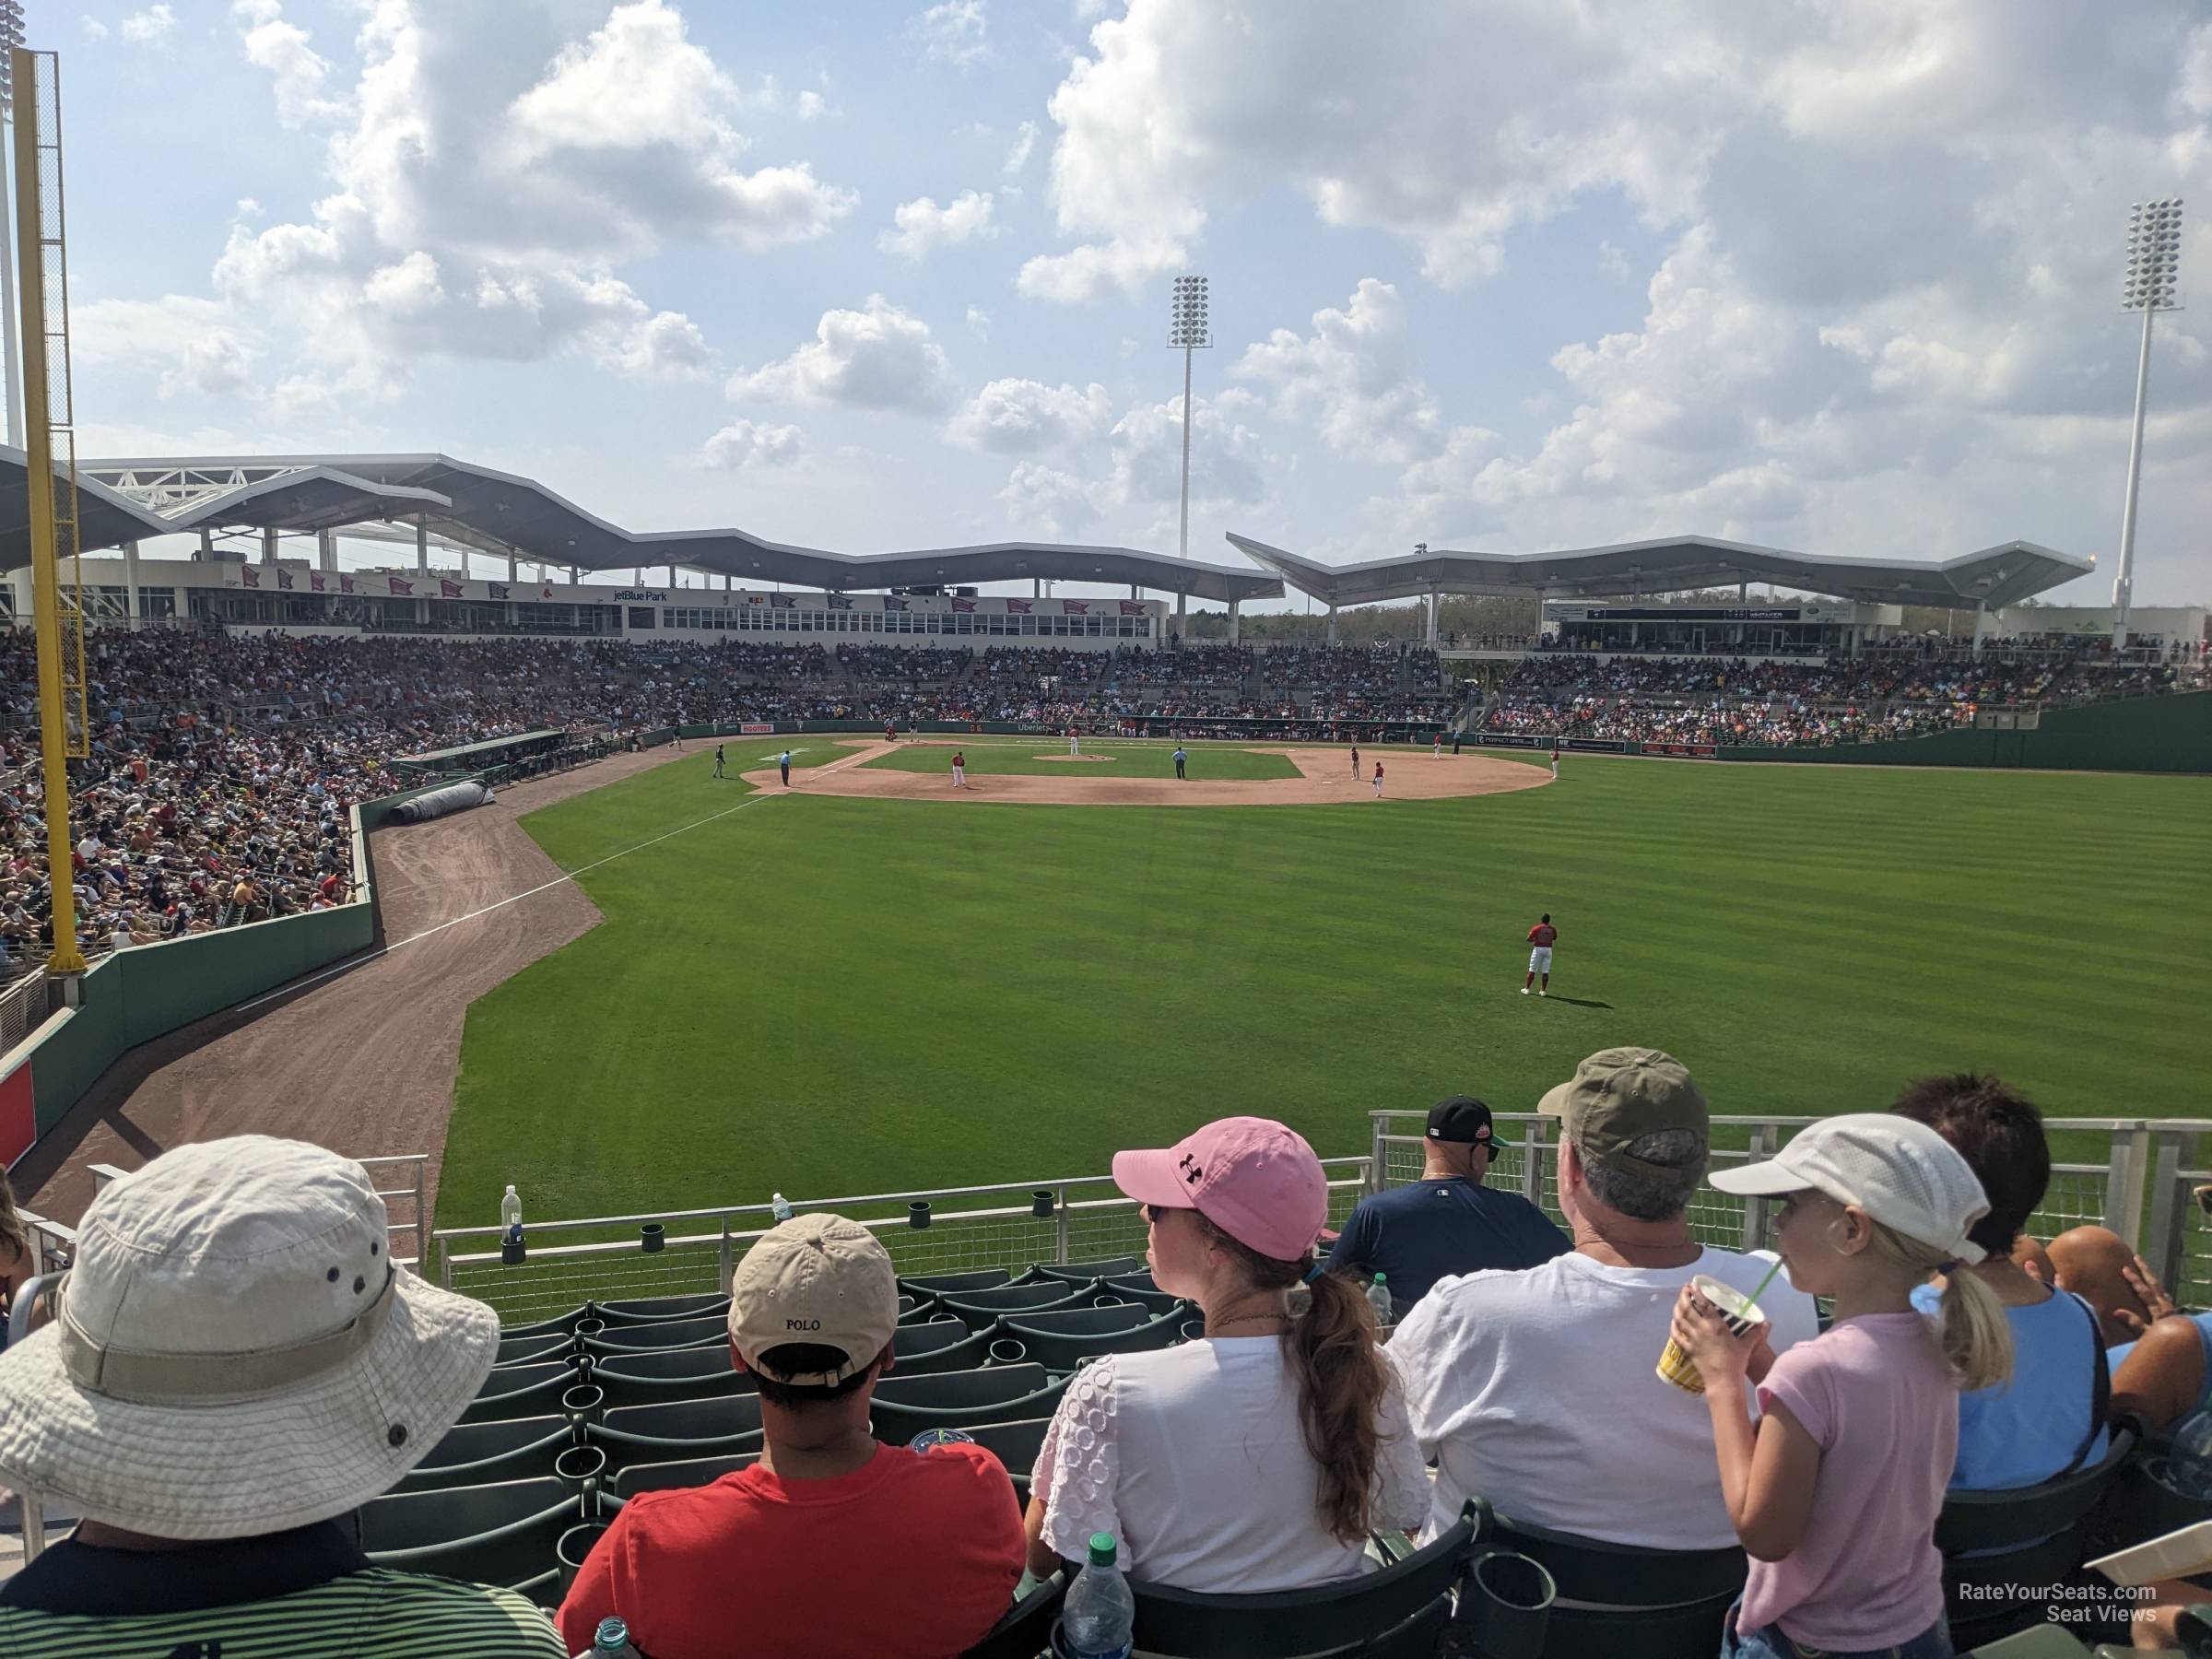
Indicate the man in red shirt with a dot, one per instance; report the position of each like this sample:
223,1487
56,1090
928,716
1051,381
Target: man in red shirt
928,1544
1378,777
960,769
1540,954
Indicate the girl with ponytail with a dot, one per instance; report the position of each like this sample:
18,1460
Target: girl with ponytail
1259,1454
1835,1490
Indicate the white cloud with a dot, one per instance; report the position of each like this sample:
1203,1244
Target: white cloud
979,322
1355,374
295,68
811,105
144,28
1017,157
952,32
1045,502
745,443
876,358
923,227
94,28
199,347
1023,416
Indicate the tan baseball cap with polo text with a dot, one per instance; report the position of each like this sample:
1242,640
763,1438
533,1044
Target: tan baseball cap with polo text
1618,1096
819,1280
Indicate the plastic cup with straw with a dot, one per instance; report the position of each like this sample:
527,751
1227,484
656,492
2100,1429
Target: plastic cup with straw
1741,1311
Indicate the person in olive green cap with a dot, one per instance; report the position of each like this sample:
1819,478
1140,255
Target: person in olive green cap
1537,1387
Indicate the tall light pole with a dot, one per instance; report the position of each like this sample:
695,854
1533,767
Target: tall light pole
11,37
2154,259
1186,334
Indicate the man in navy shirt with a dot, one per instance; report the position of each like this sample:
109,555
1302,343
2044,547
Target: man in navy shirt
1448,1222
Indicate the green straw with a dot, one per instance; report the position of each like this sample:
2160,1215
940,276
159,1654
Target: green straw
1765,1282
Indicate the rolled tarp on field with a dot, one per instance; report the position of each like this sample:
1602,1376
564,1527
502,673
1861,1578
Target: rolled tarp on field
454,797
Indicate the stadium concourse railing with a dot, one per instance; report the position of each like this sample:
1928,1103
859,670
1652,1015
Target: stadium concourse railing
1013,1225
2151,1185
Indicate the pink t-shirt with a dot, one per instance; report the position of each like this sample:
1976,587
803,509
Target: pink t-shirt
1875,1393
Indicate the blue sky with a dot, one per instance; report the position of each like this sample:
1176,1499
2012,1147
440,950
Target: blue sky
1839,276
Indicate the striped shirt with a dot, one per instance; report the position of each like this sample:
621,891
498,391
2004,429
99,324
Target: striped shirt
314,1596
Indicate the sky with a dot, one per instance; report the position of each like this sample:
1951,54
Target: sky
1836,275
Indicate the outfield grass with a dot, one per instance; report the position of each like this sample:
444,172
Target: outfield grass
1047,756
827,995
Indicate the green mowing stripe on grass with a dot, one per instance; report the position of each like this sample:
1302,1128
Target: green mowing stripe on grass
822,995
1047,756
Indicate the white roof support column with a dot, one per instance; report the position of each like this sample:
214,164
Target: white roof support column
422,547
1332,621
268,548
1981,628
326,550
511,564
1434,593
130,582
1233,621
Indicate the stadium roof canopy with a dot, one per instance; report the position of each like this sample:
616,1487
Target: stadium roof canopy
463,505
1996,576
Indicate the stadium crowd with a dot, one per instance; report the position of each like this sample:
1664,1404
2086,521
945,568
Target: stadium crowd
1782,703
1955,1353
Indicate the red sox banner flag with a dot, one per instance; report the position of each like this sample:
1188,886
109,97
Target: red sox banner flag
284,578
1018,607
894,605
1133,607
345,585
838,602
249,576
1075,607
404,590
963,604
316,582
450,590
498,589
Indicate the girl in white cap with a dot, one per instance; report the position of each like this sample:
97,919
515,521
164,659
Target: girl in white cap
1835,1490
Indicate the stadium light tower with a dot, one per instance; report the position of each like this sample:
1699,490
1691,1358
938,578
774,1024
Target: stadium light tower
11,37
1186,334
2154,259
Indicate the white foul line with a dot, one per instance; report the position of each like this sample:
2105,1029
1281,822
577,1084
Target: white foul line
358,961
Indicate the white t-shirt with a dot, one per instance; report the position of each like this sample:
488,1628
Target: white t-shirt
1537,1389
1194,1459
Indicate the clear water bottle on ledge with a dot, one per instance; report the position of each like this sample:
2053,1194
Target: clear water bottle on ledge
779,1206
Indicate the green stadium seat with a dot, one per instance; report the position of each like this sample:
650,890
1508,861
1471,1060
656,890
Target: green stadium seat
565,1323
639,1337
2000,1549
1399,1610
647,1379
982,1278
1082,1273
1015,1443
480,1454
1027,1630
650,1310
1144,1296
1061,1339
941,1346
677,1429
1659,1603
533,1349
502,1533
979,1308
678,1473
520,1391
961,1400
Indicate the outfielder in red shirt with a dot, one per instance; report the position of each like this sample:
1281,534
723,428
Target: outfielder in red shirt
1540,938
1539,956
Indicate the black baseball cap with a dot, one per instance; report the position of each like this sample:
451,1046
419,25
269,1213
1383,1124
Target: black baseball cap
1464,1118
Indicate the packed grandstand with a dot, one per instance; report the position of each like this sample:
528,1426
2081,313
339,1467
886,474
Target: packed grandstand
223,763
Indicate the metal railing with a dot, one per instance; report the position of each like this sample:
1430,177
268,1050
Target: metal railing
24,1007
2175,1235
1073,1218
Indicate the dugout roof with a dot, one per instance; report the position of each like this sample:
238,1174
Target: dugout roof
464,505
1997,576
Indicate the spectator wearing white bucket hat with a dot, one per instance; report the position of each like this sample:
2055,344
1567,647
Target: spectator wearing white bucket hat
234,1367
1835,1490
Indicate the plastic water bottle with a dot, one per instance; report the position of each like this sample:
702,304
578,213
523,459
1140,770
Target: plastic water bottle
611,1641
780,1207
1099,1615
510,1213
1378,1297
2189,1464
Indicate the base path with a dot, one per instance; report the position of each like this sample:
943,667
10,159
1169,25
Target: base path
1325,777
363,1061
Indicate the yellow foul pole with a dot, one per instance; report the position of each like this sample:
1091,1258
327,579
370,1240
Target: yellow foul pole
37,442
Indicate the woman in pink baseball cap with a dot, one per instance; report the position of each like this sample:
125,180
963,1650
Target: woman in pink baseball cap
1260,1457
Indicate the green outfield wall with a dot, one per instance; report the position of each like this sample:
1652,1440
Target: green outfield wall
2137,734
